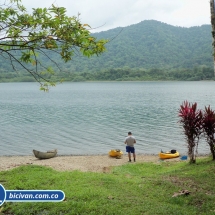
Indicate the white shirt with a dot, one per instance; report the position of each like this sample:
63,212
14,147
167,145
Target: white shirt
130,140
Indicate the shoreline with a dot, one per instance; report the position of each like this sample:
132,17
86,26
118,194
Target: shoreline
81,155
84,163
105,154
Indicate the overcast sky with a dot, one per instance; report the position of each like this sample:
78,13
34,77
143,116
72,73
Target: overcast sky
108,14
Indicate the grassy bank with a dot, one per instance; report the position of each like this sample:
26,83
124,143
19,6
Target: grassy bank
141,188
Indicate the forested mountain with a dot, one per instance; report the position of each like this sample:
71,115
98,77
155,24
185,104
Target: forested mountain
148,45
151,44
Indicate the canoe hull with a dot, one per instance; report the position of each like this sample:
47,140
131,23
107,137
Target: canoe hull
168,155
45,155
115,153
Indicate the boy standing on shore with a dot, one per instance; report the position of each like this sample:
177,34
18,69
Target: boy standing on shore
130,141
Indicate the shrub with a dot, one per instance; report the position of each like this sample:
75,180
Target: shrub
191,120
208,124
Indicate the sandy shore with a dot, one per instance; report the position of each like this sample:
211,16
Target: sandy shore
95,163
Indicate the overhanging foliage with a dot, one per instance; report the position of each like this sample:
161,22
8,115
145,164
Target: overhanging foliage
24,36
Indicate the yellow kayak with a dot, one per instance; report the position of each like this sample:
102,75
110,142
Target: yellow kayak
115,152
168,155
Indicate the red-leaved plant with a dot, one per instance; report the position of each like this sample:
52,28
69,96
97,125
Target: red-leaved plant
191,120
208,124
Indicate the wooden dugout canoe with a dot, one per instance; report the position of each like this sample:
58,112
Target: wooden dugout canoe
45,155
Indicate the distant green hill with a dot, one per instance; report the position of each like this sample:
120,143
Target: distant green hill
151,44
136,48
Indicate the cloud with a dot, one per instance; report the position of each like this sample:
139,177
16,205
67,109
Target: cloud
114,13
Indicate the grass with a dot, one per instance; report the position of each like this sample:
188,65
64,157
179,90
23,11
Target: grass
141,188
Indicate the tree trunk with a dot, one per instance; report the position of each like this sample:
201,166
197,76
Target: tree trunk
212,4
191,149
213,154
212,148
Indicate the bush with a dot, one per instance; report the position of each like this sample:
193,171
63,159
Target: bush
191,120
208,124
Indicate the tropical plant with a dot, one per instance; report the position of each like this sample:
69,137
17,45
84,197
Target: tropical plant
191,120
23,36
208,124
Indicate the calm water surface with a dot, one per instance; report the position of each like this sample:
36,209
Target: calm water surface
92,118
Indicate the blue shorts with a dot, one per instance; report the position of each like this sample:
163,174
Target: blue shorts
130,149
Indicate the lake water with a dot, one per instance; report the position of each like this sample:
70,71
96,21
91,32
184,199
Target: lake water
92,118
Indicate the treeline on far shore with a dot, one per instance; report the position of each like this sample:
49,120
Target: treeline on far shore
121,74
